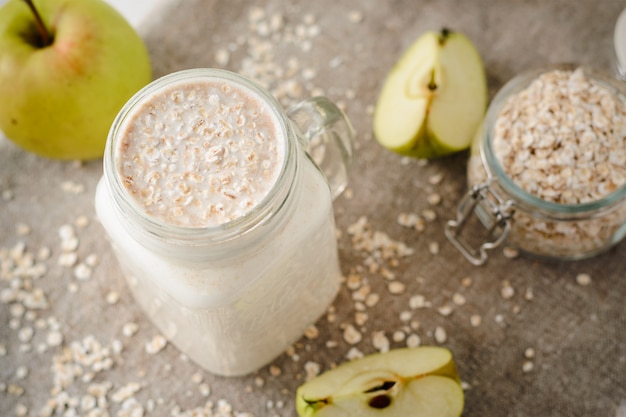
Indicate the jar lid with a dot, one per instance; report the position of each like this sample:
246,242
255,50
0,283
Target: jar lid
619,42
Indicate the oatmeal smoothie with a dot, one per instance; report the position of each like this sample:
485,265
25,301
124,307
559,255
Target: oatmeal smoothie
203,159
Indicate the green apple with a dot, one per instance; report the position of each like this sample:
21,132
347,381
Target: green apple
416,382
434,98
66,68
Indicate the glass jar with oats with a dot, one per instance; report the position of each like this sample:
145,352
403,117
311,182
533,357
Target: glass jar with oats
547,170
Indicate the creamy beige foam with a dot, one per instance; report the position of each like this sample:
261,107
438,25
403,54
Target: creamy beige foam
200,153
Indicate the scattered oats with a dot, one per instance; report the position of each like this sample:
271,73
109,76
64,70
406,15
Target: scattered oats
259,382
433,199
155,345
417,301
70,187
15,389
81,221
387,274
43,254
68,259
197,378
445,310
88,402
129,329
372,299
222,57
466,282
499,318
353,281
475,320
72,287
117,346
510,253
54,338
405,316
429,215
435,179
351,335
583,279
21,372
92,260
529,353
380,341
312,370
355,16
331,344
25,334
440,334
413,340
528,366
17,310
396,287
433,248
82,272
458,299
529,294
411,220
275,370
8,195
70,244
66,232
205,389
507,291
415,324
112,297
398,336
21,410
3,350
354,353
22,229
465,385
125,392
360,318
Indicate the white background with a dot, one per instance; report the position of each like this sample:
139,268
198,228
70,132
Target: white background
133,10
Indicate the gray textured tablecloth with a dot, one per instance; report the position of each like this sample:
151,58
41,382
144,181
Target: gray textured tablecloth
552,346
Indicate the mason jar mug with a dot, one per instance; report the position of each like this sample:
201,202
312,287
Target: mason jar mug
206,144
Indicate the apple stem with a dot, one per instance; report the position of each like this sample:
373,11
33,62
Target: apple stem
45,37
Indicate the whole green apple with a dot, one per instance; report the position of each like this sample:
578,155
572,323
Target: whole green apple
66,68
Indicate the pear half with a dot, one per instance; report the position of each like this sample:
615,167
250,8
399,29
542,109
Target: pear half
416,382
434,98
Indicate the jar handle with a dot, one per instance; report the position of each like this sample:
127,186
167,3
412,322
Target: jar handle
494,213
327,137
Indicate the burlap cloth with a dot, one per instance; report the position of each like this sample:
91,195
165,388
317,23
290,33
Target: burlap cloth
551,347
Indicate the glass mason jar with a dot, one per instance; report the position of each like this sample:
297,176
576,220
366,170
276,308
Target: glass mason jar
233,297
533,225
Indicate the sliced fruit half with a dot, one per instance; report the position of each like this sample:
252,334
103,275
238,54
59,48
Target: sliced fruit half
416,382
434,98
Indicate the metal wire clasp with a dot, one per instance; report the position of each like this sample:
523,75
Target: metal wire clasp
494,213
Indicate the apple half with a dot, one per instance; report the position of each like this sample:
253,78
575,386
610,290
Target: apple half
416,382
434,98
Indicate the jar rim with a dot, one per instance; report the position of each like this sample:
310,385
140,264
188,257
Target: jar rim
269,205
497,171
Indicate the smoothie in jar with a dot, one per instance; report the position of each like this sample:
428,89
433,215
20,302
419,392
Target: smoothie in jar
222,225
